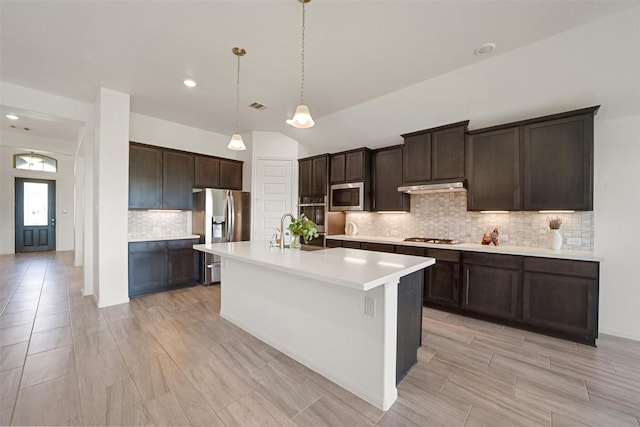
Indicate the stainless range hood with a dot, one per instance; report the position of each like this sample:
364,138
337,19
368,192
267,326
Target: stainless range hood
441,187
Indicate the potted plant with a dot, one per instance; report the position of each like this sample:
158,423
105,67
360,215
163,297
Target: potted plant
554,239
302,227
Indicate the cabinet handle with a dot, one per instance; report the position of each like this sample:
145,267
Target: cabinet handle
466,296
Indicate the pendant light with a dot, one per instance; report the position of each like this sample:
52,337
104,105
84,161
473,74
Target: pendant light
236,142
302,117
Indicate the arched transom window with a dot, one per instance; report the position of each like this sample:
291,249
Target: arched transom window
35,162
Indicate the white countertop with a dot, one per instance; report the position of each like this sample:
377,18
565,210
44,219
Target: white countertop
159,238
353,268
477,247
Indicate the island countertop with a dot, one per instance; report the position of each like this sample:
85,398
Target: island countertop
352,268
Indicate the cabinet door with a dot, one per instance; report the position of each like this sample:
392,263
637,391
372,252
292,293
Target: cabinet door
494,170
183,262
387,167
147,267
337,168
230,174
305,167
334,243
356,165
561,303
492,291
558,164
177,180
207,172
145,177
319,175
417,159
447,153
441,284
377,247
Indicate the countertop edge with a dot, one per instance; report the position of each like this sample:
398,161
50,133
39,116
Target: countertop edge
162,238
476,247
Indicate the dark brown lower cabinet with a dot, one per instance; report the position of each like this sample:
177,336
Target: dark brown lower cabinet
333,243
561,296
377,247
442,281
162,265
491,291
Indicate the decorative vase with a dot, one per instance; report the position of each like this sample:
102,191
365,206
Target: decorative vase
554,239
295,242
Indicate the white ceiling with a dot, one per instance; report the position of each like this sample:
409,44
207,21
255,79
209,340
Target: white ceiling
356,51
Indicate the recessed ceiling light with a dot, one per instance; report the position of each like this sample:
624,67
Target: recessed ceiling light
485,49
12,117
190,83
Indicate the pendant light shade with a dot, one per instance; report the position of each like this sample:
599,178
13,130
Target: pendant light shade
236,142
302,117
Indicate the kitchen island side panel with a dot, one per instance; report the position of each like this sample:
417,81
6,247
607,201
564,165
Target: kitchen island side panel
319,324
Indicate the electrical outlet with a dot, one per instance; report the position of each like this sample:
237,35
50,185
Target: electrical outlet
504,237
574,241
370,306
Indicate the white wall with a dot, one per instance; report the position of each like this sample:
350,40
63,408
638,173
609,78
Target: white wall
112,204
64,190
617,206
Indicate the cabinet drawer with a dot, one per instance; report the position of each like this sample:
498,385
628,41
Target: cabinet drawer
444,255
562,266
378,247
334,243
182,243
352,245
410,250
156,245
493,260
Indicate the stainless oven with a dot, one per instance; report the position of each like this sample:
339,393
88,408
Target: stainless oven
347,197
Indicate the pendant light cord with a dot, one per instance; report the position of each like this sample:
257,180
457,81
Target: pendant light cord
238,97
302,56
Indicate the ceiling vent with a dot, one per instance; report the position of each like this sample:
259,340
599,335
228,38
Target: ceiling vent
257,106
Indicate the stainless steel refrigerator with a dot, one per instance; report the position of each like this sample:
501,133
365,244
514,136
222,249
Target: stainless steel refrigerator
219,216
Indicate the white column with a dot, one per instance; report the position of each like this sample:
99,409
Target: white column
111,197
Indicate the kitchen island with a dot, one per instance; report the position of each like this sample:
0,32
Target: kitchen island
353,316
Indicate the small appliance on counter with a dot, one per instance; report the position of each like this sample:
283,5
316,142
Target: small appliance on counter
219,216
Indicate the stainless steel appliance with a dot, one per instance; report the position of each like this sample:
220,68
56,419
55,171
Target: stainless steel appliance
347,197
219,216
432,240
329,223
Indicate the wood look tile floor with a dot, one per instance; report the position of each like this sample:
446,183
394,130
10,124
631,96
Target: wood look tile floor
169,359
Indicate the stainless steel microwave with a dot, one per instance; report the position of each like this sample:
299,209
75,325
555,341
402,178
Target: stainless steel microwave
347,197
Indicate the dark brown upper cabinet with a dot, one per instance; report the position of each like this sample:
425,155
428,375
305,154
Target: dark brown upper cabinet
558,164
434,155
544,163
159,178
387,177
207,172
349,166
493,173
313,175
145,177
177,180
214,172
230,174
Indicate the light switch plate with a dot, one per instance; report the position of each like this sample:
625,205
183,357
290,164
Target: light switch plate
370,306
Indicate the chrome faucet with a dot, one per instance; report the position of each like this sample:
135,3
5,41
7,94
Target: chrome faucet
290,215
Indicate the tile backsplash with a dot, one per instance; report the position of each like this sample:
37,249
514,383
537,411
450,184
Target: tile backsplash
445,215
143,224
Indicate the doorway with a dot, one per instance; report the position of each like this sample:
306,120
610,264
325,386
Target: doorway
273,195
35,215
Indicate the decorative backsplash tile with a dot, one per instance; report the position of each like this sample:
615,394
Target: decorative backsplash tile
445,215
143,224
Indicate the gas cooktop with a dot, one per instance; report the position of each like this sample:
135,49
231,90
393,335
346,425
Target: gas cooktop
432,240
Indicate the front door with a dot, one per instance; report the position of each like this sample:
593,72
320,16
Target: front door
35,215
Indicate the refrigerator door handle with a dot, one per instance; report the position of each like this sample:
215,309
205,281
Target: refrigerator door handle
232,217
228,218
